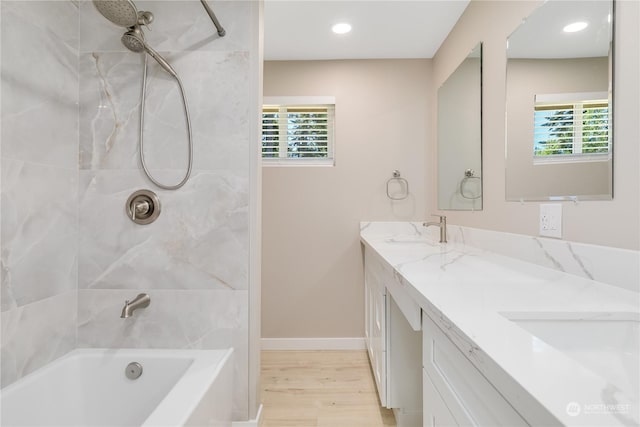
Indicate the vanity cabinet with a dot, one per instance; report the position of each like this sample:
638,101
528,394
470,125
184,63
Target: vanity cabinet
394,342
419,372
375,324
455,392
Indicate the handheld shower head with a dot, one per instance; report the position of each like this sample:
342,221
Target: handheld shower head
121,12
134,41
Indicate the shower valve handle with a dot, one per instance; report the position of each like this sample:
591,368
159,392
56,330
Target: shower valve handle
140,208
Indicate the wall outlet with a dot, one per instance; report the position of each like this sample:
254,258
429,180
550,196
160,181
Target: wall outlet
551,220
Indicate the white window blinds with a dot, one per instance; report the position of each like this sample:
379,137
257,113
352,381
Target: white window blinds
298,132
571,131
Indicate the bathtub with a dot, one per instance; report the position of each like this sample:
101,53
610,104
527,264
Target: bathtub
88,387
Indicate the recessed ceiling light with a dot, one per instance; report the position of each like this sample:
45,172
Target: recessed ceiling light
575,27
341,28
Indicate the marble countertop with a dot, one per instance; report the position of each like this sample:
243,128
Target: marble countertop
472,294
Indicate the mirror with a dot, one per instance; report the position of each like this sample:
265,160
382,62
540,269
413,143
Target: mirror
460,136
559,103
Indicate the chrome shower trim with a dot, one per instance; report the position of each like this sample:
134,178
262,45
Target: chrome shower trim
134,41
141,137
140,301
120,12
216,23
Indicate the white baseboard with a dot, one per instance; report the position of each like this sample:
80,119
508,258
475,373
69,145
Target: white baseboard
312,344
251,423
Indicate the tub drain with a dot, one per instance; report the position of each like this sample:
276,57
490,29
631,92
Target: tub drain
133,370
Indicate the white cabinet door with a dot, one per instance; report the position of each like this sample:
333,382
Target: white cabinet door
471,399
375,324
434,411
368,309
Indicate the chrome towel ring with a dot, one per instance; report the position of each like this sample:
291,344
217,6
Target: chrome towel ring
404,186
469,174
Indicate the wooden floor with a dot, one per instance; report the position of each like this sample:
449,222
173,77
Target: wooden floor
320,389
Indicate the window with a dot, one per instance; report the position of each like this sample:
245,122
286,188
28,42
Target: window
298,130
571,128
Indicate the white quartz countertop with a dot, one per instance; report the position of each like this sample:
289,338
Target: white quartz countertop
472,294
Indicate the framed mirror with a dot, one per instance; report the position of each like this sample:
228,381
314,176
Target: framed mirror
559,135
460,136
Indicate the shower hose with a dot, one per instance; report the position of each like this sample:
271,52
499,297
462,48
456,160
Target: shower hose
186,115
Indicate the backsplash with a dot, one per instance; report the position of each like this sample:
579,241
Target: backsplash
613,266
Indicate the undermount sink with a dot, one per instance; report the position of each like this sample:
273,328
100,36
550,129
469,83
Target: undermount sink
606,343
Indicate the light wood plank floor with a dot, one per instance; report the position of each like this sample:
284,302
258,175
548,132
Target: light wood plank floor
320,389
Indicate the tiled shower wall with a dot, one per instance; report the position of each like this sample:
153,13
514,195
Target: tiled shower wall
193,261
39,232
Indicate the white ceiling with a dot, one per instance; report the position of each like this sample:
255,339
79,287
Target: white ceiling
541,35
301,29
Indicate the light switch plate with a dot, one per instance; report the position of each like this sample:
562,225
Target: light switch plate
551,220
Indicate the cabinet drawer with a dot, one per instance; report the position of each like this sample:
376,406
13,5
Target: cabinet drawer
374,271
393,285
434,410
471,399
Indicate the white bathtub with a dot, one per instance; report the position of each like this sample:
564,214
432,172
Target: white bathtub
89,388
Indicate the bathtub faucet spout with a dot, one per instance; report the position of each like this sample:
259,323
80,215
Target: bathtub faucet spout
141,301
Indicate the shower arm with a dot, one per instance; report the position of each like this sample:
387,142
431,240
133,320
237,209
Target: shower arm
221,31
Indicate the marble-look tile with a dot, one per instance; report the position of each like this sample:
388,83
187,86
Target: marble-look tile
217,92
36,334
477,298
199,241
39,232
238,339
391,228
109,109
40,82
178,26
619,267
174,319
614,266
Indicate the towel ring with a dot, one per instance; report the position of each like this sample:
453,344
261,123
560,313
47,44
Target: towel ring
469,174
396,177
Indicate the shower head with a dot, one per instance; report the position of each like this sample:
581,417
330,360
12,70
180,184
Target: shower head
134,41
121,12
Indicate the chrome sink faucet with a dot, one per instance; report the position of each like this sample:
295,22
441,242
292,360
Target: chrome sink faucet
443,227
141,301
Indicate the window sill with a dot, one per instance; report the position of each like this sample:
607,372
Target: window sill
297,162
570,158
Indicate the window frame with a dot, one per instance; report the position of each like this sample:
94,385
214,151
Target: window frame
577,101
292,101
